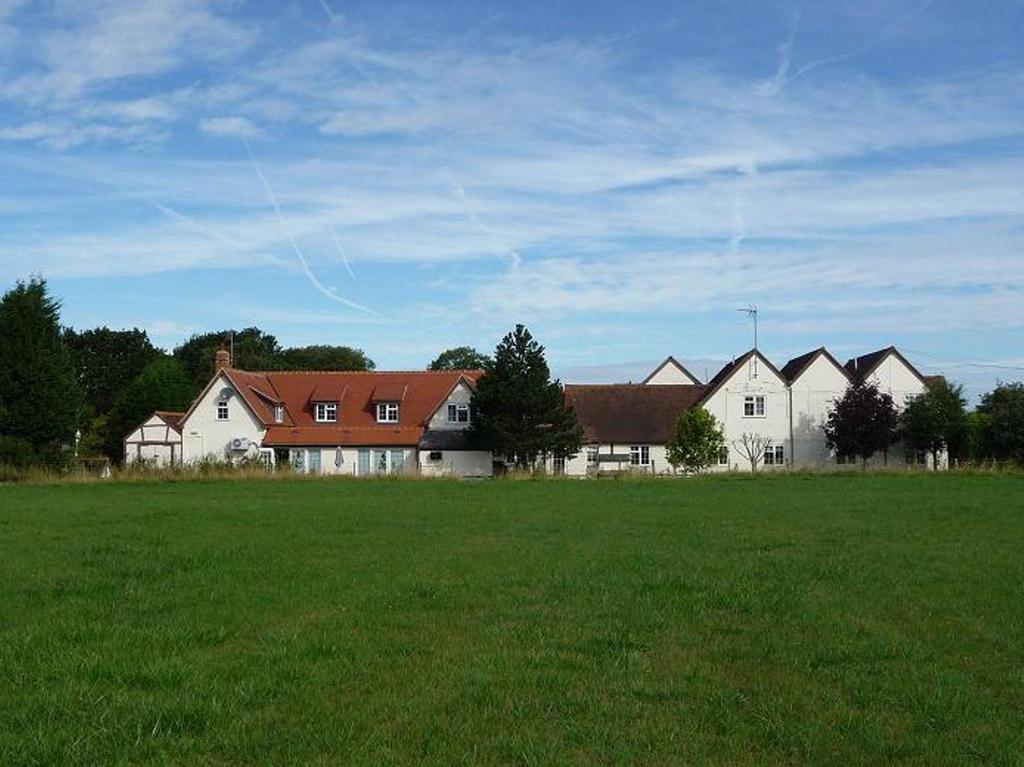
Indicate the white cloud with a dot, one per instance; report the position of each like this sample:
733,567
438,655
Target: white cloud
234,127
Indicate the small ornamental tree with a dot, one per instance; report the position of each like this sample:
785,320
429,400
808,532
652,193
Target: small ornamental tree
935,419
863,422
459,358
518,411
696,442
752,447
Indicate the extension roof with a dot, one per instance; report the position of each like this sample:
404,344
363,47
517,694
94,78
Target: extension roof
630,413
420,393
170,418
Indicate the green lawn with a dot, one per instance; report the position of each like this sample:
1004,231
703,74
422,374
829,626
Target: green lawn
824,620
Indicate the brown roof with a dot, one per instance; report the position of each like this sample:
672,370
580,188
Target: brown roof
420,393
861,367
630,413
796,366
723,375
170,418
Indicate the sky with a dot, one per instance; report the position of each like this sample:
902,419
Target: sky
620,177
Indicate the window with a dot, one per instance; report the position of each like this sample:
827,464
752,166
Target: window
458,413
640,455
558,466
222,411
915,458
592,452
278,413
387,412
753,406
774,456
723,455
846,459
325,412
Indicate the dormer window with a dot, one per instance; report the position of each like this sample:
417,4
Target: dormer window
222,410
458,413
753,406
387,412
325,412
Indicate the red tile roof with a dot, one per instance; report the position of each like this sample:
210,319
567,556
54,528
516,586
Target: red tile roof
419,393
172,419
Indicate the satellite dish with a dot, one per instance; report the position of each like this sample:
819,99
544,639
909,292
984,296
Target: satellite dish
226,393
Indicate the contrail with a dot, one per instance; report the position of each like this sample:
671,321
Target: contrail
341,251
786,54
480,227
327,10
863,48
291,239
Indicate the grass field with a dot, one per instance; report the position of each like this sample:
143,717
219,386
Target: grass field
821,620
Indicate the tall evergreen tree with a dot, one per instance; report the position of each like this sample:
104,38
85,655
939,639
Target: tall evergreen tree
163,385
934,421
40,399
518,411
107,361
864,422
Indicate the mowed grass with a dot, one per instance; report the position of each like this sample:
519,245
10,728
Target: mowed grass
798,620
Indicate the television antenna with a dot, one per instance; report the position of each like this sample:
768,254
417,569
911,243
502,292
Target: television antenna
751,311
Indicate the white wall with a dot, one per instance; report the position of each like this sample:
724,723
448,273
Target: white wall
460,395
670,373
154,442
576,466
814,394
204,436
726,405
456,463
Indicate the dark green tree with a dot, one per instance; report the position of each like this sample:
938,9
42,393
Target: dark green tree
1004,407
163,385
40,399
863,422
934,420
253,350
518,411
460,358
697,441
323,357
107,361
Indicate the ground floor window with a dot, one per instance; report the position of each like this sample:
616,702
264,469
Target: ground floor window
380,461
723,455
305,461
592,452
915,458
640,455
558,466
774,456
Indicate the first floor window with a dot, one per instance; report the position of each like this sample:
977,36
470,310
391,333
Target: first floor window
592,452
326,412
753,406
387,412
222,411
640,455
723,455
458,413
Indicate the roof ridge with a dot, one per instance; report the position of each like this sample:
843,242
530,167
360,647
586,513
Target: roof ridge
359,372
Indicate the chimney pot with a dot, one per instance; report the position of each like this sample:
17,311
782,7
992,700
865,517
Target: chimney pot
221,360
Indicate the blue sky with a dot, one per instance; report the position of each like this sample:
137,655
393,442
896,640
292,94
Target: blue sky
621,177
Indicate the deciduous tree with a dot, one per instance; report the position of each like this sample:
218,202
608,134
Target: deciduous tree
1004,407
460,358
863,422
934,420
697,441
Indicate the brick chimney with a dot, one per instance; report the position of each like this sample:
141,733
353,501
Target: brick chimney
221,360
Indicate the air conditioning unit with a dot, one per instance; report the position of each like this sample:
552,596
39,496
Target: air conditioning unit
240,444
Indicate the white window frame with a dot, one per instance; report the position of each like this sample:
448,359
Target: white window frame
278,413
458,412
774,455
387,412
558,466
757,406
593,451
639,455
223,412
325,412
